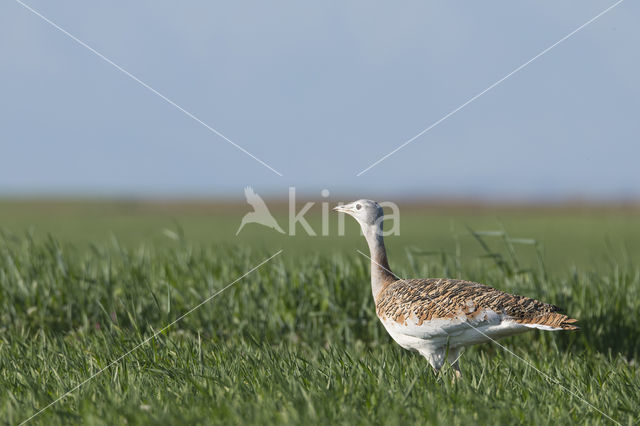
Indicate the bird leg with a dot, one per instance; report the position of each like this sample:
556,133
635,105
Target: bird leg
457,371
436,359
453,357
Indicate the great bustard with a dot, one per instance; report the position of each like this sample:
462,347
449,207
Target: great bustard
439,316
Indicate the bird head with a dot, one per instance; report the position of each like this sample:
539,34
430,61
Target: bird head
368,213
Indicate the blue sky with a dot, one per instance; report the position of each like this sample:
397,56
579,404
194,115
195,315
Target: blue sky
320,91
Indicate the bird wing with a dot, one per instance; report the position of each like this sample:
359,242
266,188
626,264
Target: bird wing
452,303
254,200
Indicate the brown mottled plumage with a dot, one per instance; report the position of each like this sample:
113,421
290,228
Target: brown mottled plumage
434,298
438,317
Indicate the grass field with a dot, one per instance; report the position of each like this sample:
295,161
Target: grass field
297,340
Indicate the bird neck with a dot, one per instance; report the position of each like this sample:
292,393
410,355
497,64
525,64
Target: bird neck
381,274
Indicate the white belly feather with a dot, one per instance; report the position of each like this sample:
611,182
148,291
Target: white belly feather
437,334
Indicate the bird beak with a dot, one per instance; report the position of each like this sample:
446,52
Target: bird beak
342,208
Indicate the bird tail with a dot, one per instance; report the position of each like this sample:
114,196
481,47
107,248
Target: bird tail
551,321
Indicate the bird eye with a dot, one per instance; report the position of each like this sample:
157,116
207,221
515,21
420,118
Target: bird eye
358,206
